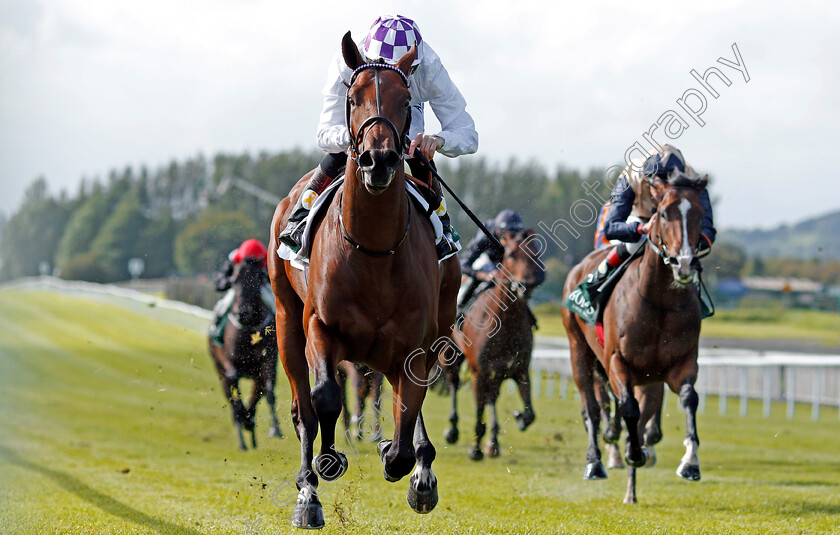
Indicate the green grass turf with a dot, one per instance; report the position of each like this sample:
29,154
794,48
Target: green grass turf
112,422
773,323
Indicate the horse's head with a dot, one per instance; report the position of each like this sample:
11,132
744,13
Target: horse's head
676,226
248,277
520,263
378,115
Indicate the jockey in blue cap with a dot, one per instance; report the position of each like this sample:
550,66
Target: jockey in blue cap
482,255
388,40
632,204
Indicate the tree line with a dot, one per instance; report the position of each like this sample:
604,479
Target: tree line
176,219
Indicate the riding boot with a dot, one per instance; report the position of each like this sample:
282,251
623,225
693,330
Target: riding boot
585,300
293,232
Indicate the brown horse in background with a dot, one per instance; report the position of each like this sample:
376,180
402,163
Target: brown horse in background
374,294
651,330
249,350
496,337
364,383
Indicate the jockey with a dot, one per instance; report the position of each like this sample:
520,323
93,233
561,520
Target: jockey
482,255
249,249
632,204
388,40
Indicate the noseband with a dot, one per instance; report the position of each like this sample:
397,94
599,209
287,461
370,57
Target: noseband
357,139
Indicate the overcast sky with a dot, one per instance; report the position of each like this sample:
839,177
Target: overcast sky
91,85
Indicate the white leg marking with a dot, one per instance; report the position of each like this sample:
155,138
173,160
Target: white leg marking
690,456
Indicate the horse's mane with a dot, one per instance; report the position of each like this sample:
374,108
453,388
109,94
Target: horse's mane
678,179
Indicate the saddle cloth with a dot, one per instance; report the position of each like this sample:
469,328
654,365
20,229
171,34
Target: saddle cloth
300,259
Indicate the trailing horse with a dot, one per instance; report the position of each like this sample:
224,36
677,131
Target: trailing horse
374,294
364,383
651,330
496,337
248,350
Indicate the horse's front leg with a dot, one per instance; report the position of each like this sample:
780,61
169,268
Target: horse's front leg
271,399
230,385
650,400
690,465
308,512
251,414
527,416
621,380
491,449
452,372
398,455
422,488
329,464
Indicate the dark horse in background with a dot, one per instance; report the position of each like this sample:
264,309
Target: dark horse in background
374,294
364,383
651,332
496,337
249,350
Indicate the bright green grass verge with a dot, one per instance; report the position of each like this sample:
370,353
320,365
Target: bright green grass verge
754,323
111,422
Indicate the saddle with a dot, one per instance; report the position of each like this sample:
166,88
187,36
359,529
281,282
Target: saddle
300,259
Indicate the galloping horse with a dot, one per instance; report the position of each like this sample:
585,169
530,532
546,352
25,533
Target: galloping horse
651,330
374,294
249,350
364,383
497,339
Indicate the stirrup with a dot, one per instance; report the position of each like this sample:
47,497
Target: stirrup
446,246
292,234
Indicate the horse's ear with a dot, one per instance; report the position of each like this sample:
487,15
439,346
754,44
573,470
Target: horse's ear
350,51
702,183
404,64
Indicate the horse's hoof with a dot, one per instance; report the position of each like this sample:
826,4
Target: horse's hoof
242,447
422,501
690,472
611,435
492,449
330,466
451,435
651,457
475,453
382,448
630,500
636,462
308,511
524,419
595,471
614,459
275,432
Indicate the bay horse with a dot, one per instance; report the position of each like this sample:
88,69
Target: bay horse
496,337
651,330
249,350
364,383
374,294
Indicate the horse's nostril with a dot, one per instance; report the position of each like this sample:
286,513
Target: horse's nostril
366,160
392,159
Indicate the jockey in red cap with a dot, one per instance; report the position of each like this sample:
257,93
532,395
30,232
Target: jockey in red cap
249,249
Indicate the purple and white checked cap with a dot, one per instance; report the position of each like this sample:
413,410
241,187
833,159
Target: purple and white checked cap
390,38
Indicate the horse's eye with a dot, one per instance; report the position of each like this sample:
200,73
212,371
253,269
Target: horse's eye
351,101
407,104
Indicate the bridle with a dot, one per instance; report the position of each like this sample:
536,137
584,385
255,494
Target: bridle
661,247
357,146
357,139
